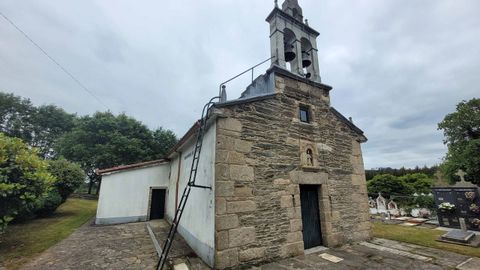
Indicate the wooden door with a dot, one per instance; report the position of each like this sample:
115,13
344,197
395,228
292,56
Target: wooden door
157,205
312,235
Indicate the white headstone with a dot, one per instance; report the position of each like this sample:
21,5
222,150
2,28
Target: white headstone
381,204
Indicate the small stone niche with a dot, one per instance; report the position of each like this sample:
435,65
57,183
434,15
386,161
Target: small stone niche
309,156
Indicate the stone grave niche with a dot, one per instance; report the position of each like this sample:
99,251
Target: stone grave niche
467,206
381,204
393,208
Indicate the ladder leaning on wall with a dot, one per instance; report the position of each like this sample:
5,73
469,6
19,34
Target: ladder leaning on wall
191,183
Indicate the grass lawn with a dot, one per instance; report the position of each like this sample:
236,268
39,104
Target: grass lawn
420,236
22,242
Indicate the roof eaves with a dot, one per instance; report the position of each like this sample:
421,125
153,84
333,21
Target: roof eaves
192,131
349,124
131,166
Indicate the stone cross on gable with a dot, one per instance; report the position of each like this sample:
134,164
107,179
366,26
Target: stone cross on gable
461,174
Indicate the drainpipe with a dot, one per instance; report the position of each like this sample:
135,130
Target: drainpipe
178,179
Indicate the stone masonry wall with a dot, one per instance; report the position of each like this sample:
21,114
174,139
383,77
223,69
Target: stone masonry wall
258,170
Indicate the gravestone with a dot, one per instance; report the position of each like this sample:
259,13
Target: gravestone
465,196
372,203
392,205
381,204
461,236
393,208
463,226
373,206
463,183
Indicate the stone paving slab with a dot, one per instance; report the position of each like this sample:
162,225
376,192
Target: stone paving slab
379,254
179,248
126,246
123,246
440,257
470,264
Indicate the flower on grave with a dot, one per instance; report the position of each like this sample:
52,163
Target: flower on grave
475,208
446,206
424,213
476,222
470,195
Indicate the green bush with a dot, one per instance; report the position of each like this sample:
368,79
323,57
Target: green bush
391,187
23,178
425,201
26,213
48,203
420,182
388,185
69,176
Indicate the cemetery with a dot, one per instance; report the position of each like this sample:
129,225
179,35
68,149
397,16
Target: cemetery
456,211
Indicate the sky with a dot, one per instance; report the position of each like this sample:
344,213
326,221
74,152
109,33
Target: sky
397,67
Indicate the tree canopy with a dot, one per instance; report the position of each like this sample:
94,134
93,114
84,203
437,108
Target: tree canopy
39,126
429,171
388,185
24,178
419,182
106,140
462,137
69,176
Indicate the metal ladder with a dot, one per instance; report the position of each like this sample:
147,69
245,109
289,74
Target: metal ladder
191,183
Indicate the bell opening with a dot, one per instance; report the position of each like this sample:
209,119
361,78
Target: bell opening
306,62
289,53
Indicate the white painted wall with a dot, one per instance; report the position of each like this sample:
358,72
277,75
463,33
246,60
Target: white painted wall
197,222
170,213
125,195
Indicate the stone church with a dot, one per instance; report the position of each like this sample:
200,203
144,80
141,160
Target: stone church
285,168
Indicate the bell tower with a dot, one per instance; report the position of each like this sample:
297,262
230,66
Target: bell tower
293,43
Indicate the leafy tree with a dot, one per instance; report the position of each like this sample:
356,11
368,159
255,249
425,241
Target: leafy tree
69,176
49,123
23,178
39,127
462,137
388,185
15,116
105,140
425,201
163,141
419,182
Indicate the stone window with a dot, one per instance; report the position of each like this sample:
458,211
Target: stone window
304,114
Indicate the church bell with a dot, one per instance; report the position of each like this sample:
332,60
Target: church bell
289,53
306,61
